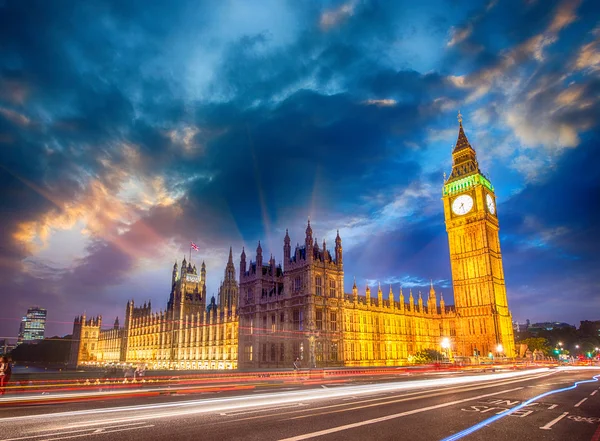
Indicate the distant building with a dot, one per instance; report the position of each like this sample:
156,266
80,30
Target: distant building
33,326
520,327
548,326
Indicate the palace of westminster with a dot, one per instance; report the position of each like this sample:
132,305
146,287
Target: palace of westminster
277,313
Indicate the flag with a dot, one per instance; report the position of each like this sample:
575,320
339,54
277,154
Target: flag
194,246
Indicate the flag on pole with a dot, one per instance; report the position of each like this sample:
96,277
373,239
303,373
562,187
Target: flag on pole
194,246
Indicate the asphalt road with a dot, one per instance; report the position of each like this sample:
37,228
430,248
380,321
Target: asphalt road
424,408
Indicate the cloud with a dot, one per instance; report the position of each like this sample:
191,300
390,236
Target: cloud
124,137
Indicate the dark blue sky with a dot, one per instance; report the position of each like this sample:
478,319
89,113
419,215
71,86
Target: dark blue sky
130,128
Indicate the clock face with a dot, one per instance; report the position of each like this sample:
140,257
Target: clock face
462,204
490,204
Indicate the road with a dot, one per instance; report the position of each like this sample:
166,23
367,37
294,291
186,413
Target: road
442,407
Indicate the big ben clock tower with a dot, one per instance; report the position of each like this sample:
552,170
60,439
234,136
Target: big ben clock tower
484,323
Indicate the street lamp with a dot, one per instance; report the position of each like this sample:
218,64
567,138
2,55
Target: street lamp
445,346
499,349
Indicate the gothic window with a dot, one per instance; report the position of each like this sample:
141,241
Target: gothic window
273,352
264,352
86,335
332,288
334,352
297,315
264,326
281,321
296,350
297,284
319,319
319,351
282,352
273,323
250,294
318,285
251,326
333,321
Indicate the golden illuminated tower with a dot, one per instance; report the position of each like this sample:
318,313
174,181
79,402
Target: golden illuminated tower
484,324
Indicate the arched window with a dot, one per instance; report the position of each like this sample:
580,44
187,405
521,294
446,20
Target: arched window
332,288
318,285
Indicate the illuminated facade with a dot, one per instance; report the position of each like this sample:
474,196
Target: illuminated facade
187,335
299,310
483,319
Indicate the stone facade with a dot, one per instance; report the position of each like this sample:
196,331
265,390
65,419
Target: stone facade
299,310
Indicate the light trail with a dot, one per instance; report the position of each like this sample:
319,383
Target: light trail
490,420
172,409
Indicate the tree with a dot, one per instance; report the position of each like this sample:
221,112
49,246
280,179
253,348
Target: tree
427,356
541,344
49,350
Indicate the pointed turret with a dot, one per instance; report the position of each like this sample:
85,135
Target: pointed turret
432,300
116,324
242,263
401,300
411,301
230,261
391,298
379,296
259,259
464,158
368,295
338,249
420,302
308,241
354,292
287,249
442,304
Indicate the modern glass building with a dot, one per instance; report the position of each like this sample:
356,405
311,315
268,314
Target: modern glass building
32,326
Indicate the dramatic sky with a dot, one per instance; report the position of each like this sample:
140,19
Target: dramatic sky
130,128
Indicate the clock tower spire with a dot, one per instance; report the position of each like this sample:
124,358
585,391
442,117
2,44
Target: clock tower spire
483,317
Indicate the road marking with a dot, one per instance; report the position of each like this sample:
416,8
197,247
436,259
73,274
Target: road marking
266,409
593,393
323,386
436,394
554,406
391,417
96,431
554,421
578,404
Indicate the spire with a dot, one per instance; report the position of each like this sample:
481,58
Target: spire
354,286
230,255
243,253
287,237
461,142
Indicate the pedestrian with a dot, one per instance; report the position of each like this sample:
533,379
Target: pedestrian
2,374
296,364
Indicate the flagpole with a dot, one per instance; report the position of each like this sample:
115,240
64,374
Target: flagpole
190,252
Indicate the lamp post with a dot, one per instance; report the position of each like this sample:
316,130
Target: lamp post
499,349
445,346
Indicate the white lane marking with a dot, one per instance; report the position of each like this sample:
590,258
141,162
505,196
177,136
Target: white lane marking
323,386
96,433
593,393
267,409
554,406
72,431
554,421
394,416
578,404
